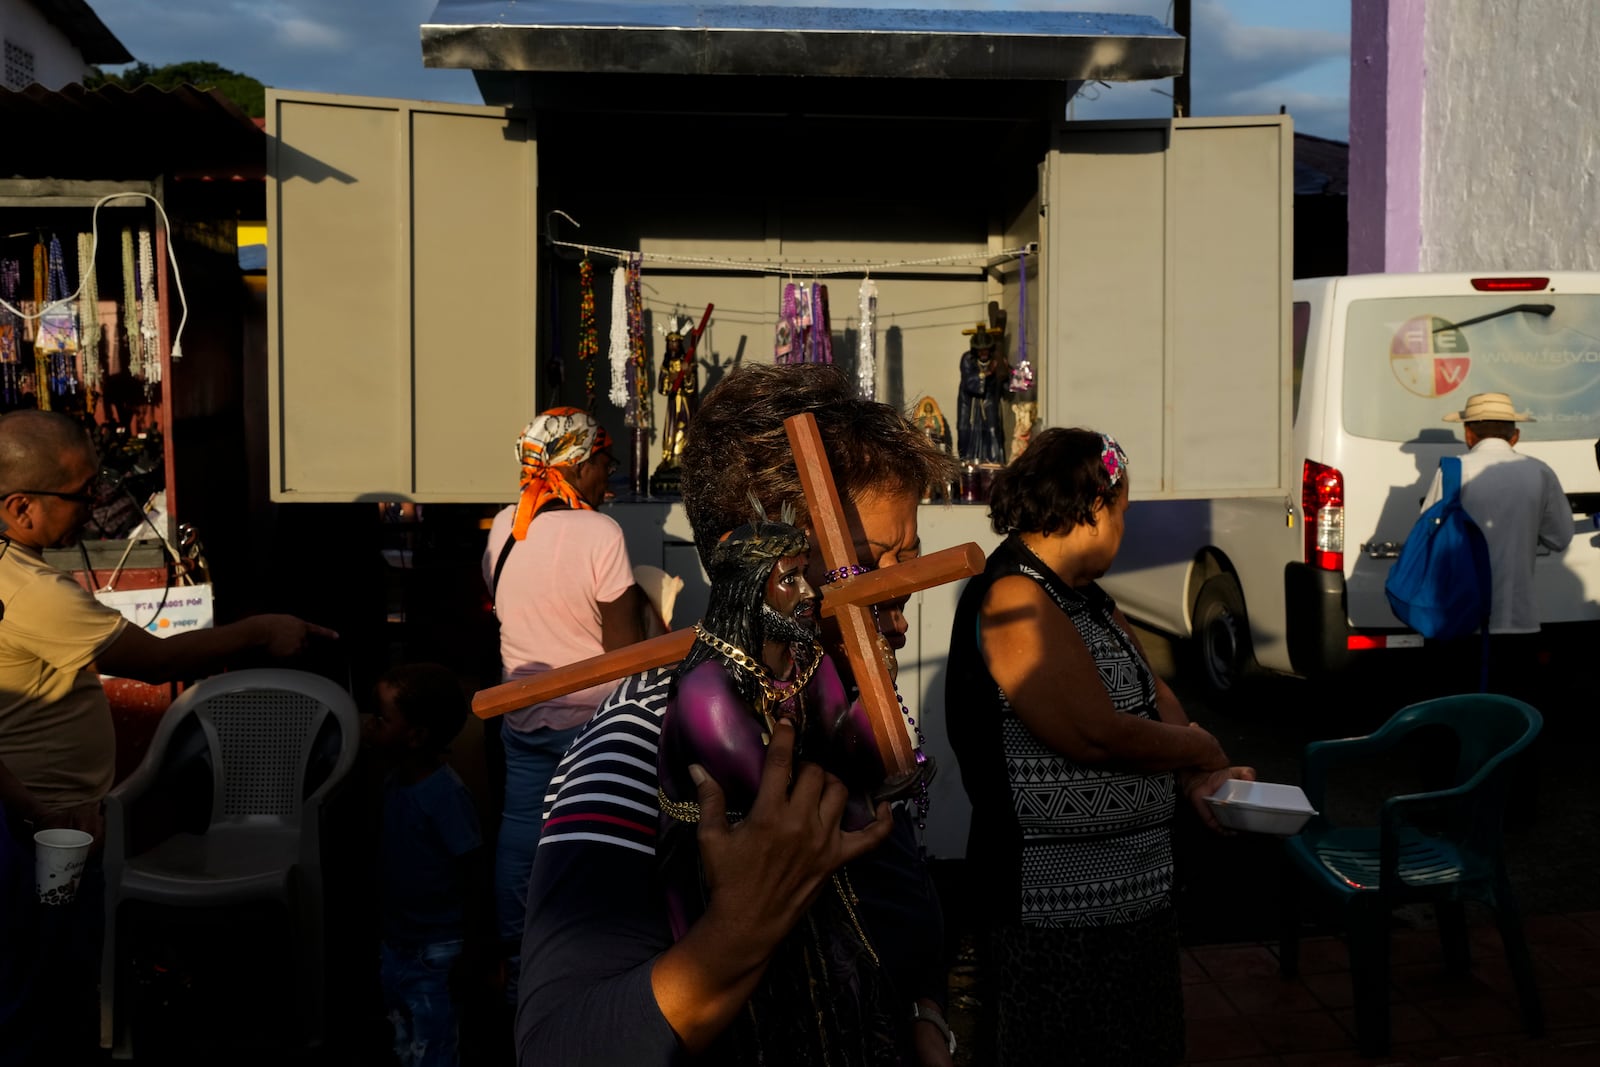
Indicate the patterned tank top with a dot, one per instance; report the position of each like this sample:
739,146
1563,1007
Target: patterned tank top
1096,844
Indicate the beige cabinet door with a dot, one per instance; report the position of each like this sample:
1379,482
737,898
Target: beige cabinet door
1168,263
402,299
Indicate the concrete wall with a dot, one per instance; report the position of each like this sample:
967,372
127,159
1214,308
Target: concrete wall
1511,136
56,62
1473,135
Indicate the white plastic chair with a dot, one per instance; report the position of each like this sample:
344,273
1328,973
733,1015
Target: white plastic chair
262,841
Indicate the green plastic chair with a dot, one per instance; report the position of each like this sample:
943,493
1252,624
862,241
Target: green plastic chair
1441,847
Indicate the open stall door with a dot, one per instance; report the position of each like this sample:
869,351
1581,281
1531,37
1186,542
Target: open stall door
1169,246
401,306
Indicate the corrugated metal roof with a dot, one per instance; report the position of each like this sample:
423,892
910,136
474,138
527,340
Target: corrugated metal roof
650,37
117,134
84,29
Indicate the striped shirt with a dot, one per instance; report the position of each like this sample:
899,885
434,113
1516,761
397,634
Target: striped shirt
597,920
604,788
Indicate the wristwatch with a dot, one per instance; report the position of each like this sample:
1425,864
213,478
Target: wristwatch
919,1013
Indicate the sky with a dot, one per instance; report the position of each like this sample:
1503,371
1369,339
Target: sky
1248,56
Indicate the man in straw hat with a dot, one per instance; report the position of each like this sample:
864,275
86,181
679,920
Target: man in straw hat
1518,502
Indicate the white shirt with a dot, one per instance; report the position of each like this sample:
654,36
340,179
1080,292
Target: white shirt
1518,503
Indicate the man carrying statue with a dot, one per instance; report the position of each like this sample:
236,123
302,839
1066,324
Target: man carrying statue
617,970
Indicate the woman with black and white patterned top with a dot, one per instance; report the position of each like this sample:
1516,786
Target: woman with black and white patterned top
1072,751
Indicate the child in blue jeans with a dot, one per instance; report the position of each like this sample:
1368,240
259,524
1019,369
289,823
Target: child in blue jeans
431,858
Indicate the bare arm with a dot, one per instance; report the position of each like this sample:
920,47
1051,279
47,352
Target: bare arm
136,654
1196,784
1047,673
763,875
621,620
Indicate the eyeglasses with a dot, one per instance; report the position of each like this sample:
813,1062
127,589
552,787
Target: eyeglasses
96,490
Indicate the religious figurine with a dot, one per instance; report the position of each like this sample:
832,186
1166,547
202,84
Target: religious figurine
984,375
678,381
931,421
758,659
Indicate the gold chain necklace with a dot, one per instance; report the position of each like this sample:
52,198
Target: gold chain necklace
763,677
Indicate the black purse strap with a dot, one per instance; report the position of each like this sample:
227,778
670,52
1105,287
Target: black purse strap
500,565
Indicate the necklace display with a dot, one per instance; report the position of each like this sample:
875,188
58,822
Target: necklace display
10,332
148,331
88,316
588,334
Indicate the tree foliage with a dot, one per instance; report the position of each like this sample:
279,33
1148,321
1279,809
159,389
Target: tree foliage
249,94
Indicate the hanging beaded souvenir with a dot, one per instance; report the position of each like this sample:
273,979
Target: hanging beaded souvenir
10,332
639,410
134,361
88,315
149,332
588,335
867,341
617,353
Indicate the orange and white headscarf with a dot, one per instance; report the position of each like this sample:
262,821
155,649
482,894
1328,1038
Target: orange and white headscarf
557,439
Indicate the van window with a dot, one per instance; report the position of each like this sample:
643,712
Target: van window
1302,327
1410,360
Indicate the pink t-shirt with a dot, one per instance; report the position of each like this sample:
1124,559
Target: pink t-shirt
549,601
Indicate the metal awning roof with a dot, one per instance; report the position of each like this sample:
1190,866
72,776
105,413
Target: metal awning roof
650,37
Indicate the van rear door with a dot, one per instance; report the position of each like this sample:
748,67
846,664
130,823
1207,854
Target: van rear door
1414,348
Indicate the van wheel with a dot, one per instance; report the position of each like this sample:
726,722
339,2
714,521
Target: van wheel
1222,635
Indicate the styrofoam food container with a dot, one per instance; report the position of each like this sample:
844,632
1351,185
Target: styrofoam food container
1261,807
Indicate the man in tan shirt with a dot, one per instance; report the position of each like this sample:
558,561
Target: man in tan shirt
57,746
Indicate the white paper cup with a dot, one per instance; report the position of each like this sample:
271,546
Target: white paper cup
58,859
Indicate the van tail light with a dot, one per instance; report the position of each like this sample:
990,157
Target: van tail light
1322,504
1510,285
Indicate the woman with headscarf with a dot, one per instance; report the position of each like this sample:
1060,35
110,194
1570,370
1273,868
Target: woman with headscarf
563,589
1071,750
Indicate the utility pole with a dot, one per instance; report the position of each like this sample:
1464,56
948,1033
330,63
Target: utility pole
1182,24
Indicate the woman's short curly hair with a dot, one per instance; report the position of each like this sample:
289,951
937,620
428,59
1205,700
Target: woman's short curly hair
1055,484
737,446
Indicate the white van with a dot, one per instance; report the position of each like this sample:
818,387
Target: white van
1296,585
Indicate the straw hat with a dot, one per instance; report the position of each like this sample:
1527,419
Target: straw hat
1489,407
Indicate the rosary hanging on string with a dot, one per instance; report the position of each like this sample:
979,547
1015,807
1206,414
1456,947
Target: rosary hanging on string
10,333
588,335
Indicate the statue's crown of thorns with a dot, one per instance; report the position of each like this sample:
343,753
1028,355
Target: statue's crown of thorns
760,541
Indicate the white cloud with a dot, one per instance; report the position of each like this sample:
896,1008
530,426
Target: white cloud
303,33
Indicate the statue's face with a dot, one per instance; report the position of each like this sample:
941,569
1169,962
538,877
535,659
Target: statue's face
789,608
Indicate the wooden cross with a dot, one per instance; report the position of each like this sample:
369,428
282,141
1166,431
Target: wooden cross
849,600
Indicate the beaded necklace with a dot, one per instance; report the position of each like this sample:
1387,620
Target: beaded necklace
148,330
88,314
617,353
41,360
639,411
10,328
588,335
867,341
134,360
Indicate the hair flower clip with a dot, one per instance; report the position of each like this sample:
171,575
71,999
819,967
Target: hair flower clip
1114,459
